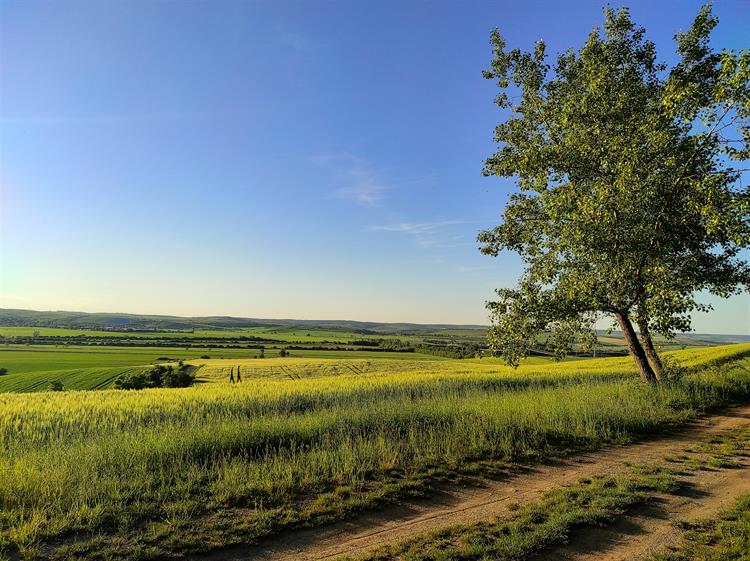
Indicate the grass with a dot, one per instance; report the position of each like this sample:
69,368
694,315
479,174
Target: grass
30,367
71,379
283,334
535,526
597,502
25,360
726,538
141,473
279,333
554,519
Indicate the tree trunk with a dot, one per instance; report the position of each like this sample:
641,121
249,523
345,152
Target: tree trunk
635,349
648,347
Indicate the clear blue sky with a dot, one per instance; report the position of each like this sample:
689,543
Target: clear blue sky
270,159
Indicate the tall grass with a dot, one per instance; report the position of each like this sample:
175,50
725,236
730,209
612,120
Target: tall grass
114,460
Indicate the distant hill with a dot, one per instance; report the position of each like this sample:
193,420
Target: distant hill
716,338
692,339
140,322
120,321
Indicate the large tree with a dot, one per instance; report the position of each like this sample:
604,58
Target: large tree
629,188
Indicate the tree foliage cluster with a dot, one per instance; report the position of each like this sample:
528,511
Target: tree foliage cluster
630,196
160,376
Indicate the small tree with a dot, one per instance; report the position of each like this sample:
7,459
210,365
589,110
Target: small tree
628,203
154,377
133,381
179,378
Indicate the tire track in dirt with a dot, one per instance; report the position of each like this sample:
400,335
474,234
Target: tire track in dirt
486,499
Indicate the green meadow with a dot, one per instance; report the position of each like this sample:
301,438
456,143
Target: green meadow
283,334
34,367
139,474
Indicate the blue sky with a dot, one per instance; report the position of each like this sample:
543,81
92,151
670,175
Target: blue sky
270,159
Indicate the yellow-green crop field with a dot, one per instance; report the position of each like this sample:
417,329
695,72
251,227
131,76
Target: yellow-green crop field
32,368
116,474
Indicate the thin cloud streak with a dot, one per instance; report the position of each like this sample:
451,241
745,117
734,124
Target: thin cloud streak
363,188
417,228
430,235
359,184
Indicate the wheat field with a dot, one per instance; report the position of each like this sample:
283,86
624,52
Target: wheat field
302,440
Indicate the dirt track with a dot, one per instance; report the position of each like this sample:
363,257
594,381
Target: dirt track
650,528
634,537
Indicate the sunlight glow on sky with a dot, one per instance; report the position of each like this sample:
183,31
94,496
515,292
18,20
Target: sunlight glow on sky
271,159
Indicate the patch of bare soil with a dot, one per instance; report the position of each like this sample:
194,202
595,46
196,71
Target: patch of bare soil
481,500
651,529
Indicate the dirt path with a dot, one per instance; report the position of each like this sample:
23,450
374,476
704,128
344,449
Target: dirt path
488,499
650,528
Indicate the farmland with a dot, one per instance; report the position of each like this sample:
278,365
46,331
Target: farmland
304,338
68,325
34,367
139,474
90,351
374,281
280,334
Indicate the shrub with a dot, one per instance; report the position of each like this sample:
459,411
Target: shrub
3,371
159,376
132,382
180,378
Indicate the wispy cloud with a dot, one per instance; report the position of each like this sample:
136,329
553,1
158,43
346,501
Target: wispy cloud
431,235
362,189
417,228
357,181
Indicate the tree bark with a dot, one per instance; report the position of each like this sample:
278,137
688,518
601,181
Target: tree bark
648,347
635,349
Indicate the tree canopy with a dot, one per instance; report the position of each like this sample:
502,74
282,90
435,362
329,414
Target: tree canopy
629,195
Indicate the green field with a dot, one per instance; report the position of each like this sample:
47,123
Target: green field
281,333
137,474
32,367
71,379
